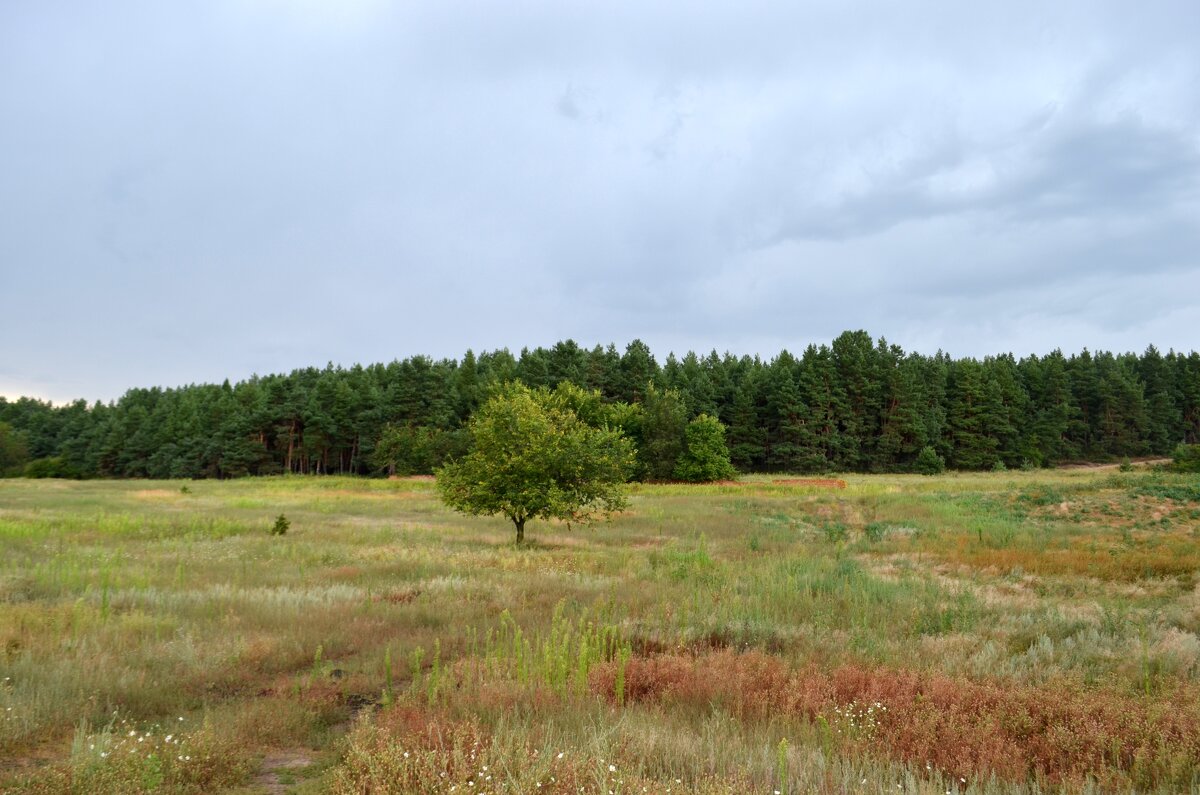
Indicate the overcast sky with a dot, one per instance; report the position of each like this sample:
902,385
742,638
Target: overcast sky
191,191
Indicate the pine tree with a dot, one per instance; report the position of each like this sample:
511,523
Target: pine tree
826,446
1164,420
745,433
858,373
968,417
902,432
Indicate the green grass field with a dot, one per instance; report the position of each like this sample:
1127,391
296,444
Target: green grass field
1000,632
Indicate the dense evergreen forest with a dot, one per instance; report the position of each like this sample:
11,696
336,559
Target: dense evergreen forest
855,405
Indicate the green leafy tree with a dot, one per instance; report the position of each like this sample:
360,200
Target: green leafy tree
705,457
533,458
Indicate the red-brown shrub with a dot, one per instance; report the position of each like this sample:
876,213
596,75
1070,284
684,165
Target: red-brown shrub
1058,733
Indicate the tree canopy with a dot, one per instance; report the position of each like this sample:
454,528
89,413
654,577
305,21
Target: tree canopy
845,406
532,457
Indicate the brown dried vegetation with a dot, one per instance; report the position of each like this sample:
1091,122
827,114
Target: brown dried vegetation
1059,734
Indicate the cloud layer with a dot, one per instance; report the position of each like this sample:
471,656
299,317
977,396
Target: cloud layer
201,190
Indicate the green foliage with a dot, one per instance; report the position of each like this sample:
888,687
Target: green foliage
972,411
129,594
13,452
1179,492
53,467
1040,495
853,405
533,458
1186,458
591,407
663,433
415,450
282,523
929,462
705,457
875,531
835,532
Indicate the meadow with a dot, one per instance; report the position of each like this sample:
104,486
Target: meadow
967,633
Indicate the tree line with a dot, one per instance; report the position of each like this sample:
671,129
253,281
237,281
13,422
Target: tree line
856,404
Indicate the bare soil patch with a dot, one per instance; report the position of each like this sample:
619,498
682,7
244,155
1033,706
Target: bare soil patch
276,761
1143,462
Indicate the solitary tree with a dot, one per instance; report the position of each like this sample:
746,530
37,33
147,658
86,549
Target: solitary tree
532,457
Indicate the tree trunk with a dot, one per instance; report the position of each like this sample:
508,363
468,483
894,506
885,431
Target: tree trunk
291,446
520,524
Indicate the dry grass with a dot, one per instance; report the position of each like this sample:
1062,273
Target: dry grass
1023,630
1058,734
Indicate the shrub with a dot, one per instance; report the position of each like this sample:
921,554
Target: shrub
705,457
929,462
1186,458
1055,732
55,467
835,532
281,525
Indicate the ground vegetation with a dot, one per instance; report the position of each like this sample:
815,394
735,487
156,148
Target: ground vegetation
997,632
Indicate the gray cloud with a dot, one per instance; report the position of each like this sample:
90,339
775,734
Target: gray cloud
201,190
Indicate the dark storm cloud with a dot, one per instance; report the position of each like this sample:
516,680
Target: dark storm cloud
200,190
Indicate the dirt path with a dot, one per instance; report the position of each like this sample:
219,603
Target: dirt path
1137,462
277,761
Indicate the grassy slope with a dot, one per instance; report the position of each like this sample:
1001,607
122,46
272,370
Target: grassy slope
986,632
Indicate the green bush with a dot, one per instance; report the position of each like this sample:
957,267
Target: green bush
55,467
835,532
705,457
929,462
1186,458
